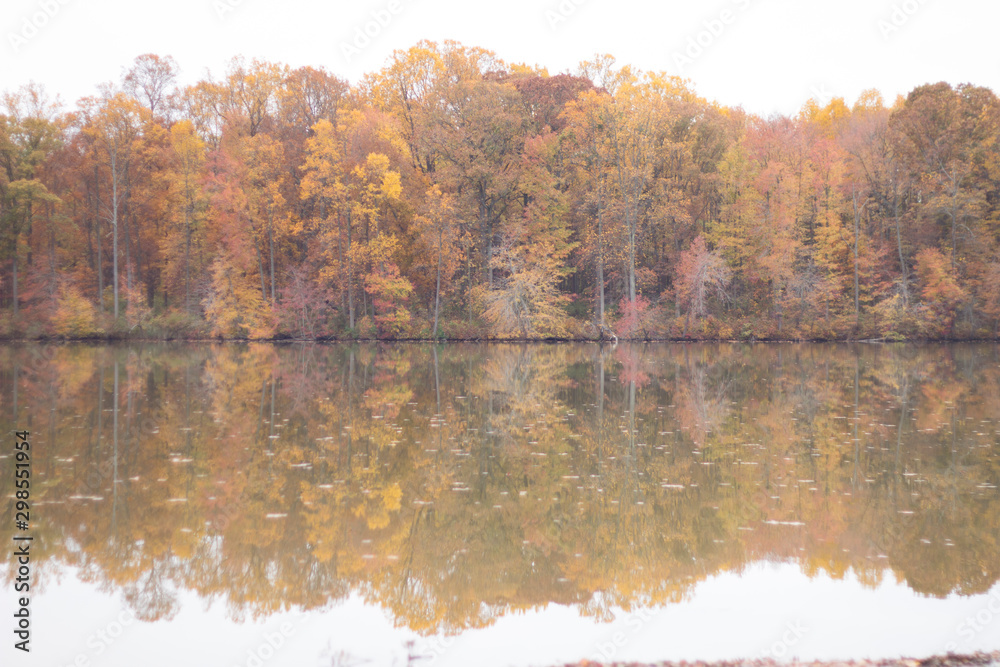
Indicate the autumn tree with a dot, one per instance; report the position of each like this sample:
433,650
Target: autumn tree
388,289
874,150
189,151
373,187
531,259
439,231
700,272
939,287
150,81
944,133
266,214
323,185
450,184
585,122
481,138
411,87
28,136
246,98
116,122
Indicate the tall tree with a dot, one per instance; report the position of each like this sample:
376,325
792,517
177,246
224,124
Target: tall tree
28,136
189,151
116,123
438,228
150,81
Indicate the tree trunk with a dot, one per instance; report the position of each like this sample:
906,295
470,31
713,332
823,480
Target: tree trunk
857,224
260,270
485,229
468,275
14,282
340,262
600,403
437,290
779,307
128,244
91,260
437,378
52,256
954,215
899,247
187,259
100,241
350,275
17,371
954,223
631,262
270,245
114,222
600,263
114,506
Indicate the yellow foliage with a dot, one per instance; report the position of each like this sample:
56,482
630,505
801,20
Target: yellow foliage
74,316
235,307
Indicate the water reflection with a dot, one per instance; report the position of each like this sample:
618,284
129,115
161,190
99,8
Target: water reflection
454,485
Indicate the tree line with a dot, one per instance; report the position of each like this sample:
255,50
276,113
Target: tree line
453,195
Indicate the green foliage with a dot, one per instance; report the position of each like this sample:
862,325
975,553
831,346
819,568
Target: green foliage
578,308
176,324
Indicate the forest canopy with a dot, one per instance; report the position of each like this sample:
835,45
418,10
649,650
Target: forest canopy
454,195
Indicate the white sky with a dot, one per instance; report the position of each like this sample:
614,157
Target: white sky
773,55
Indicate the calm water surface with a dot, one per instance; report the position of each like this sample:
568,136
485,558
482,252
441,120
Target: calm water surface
504,505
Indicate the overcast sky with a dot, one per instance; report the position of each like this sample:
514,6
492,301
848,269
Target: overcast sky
766,55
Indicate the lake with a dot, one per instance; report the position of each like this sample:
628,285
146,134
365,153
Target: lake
257,504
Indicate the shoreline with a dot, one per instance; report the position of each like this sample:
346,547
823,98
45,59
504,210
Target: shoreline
946,660
485,340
